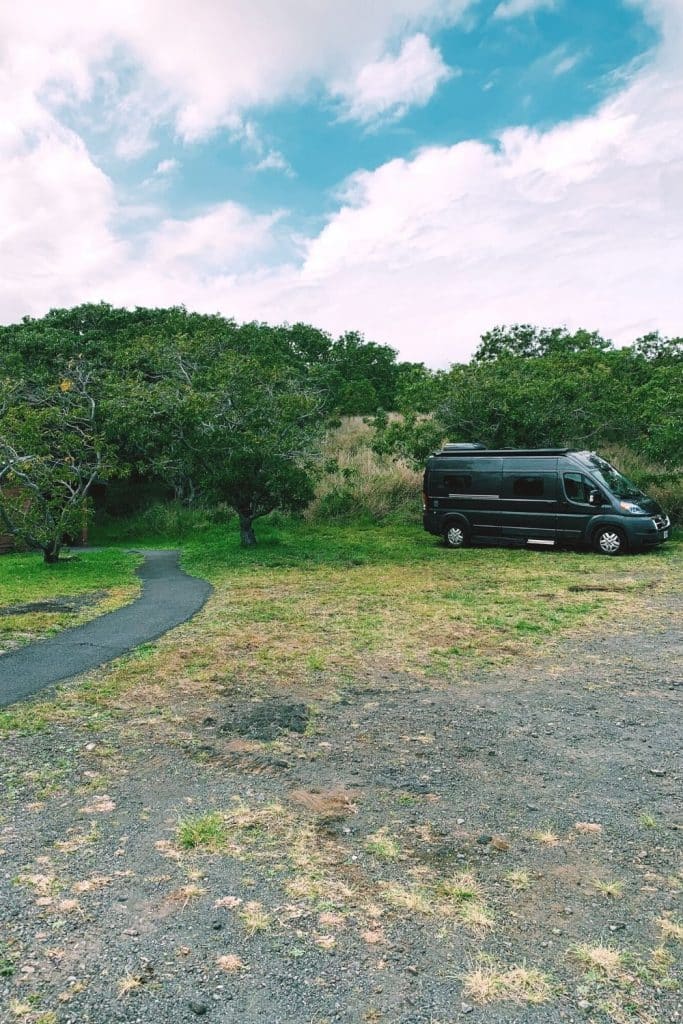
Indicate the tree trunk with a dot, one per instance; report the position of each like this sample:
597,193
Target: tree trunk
247,535
51,553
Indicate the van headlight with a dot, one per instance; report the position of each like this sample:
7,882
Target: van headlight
630,506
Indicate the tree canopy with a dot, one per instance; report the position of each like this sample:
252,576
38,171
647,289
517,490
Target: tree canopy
236,412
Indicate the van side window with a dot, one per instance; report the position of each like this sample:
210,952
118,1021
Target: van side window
457,484
527,487
577,487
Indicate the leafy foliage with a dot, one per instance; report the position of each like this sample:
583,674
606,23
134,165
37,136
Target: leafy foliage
544,388
51,454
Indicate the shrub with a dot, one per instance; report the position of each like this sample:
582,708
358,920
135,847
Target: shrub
171,519
664,485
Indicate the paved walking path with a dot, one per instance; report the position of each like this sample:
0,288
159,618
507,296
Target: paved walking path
169,596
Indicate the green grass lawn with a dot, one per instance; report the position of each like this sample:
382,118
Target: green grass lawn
108,575
317,608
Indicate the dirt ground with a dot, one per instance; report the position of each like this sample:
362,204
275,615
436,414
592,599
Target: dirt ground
502,850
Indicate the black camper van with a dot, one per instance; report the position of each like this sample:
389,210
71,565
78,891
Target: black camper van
546,496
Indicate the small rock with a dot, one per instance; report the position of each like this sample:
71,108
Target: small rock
484,840
216,925
411,969
659,772
466,1008
583,1004
618,926
199,1008
460,821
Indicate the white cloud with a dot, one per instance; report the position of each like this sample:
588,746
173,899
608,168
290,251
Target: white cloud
389,86
223,239
515,8
580,224
166,167
274,161
566,64
205,63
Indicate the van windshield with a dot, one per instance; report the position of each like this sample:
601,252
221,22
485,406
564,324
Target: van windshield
619,485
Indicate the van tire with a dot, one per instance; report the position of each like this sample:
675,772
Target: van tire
609,540
455,534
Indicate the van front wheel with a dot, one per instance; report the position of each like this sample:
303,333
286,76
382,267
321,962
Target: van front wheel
455,535
607,540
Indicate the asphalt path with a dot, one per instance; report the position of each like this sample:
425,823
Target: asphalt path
169,596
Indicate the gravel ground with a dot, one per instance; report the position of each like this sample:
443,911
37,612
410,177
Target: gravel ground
415,855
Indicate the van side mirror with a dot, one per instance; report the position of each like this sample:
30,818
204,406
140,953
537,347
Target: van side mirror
594,498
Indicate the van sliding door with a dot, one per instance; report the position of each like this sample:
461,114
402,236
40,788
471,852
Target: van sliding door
529,499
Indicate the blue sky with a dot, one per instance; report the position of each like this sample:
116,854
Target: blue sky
418,170
505,72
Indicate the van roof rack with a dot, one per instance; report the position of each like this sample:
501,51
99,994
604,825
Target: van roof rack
464,446
481,450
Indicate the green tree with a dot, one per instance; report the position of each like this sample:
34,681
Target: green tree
256,444
50,456
526,341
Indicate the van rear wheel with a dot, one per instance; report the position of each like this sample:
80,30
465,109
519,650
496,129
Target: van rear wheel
455,535
608,540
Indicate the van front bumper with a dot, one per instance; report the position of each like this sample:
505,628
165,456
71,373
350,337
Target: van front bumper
650,532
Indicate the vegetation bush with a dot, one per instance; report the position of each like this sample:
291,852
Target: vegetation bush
664,485
172,520
362,484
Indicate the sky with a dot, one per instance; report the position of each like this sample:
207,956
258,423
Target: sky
416,170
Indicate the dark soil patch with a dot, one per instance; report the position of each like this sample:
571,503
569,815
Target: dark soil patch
59,605
267,720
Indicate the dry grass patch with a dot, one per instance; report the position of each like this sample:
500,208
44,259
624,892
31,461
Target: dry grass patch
588,828
128,984
20,1008
326,805
518,881
461,889
671,929
315,871
614,889
231,963
254,918
415,899
93,883
546,837
490,983
191,891
459,897
604,961
241,831
227,903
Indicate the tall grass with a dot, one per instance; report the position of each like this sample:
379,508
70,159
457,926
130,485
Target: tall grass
360,484
170,521
664,485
